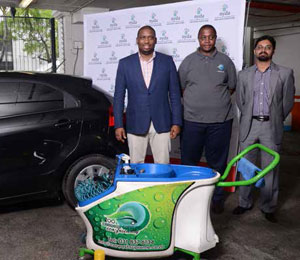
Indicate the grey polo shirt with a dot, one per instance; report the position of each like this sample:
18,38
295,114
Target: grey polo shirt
205,81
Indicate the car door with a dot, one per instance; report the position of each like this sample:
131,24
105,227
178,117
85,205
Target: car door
39,126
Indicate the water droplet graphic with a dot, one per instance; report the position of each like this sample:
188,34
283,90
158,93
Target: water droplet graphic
96,228
159,223
97,219
159,196
91,212
158,209
105,205
119,197
142,236
108,234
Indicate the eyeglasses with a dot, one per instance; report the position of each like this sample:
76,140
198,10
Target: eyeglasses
210,38
267,47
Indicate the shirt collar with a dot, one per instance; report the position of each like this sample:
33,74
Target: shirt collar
153,56
212,56
270,68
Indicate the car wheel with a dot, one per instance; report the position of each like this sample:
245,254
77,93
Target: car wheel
85,168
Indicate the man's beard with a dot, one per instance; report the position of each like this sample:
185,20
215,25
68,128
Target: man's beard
264,58
147,52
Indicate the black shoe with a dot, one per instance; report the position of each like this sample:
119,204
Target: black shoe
270,217
240,210
217,207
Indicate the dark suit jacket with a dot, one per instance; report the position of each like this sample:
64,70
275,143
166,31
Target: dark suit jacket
160,103
281,99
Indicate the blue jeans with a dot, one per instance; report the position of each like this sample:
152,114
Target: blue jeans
214,138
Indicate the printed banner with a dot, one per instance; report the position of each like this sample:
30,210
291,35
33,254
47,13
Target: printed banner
111,36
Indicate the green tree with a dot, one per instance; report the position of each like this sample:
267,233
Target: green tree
29,27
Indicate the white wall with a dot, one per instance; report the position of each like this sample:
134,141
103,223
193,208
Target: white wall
73,38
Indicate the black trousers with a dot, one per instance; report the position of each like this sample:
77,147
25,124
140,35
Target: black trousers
214,138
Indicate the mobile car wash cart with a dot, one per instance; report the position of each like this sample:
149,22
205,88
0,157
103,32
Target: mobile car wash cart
152,210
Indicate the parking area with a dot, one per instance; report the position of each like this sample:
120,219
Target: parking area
52,231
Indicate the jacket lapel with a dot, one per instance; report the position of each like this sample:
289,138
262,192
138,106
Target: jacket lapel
154,72
251,76
138,72
273,81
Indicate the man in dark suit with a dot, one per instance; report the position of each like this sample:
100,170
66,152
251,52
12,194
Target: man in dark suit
153,113
265,96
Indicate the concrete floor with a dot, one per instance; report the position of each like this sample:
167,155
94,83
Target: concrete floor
52,232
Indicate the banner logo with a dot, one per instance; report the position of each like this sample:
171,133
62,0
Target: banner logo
111,90
95,27
199,16
186,36
122,41
154,21
95,59
163,38
225,13
224,50
103,75
104,43
132,22
175,19
175,55
113,25
112,59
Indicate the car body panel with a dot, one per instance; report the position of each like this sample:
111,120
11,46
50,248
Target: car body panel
48,121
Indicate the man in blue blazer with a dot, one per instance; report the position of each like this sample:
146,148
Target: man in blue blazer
153,113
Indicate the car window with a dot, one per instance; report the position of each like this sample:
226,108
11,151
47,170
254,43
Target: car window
8,92
8,97
35,97
35,92
30,97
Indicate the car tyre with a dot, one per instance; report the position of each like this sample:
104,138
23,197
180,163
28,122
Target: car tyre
82,169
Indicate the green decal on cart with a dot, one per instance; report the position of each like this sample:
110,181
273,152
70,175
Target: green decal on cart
140,220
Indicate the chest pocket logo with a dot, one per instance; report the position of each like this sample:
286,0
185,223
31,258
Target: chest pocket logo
221,68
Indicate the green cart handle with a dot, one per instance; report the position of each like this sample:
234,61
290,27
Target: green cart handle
261,174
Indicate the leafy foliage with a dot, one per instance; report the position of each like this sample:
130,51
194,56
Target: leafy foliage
32,27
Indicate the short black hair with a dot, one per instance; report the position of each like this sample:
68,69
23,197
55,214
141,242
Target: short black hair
207,26
266,37
146,27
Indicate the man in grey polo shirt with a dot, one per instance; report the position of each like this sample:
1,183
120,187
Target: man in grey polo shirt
208,78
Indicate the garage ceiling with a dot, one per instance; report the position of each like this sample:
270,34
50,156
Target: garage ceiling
262,12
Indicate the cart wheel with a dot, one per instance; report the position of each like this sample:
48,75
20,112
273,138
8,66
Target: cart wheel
99,255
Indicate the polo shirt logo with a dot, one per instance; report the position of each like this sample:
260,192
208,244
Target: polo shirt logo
221,68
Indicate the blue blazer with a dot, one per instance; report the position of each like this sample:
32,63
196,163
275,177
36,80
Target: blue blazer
160,103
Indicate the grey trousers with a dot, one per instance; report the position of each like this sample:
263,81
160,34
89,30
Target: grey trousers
260,133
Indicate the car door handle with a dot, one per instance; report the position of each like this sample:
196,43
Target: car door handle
64,123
